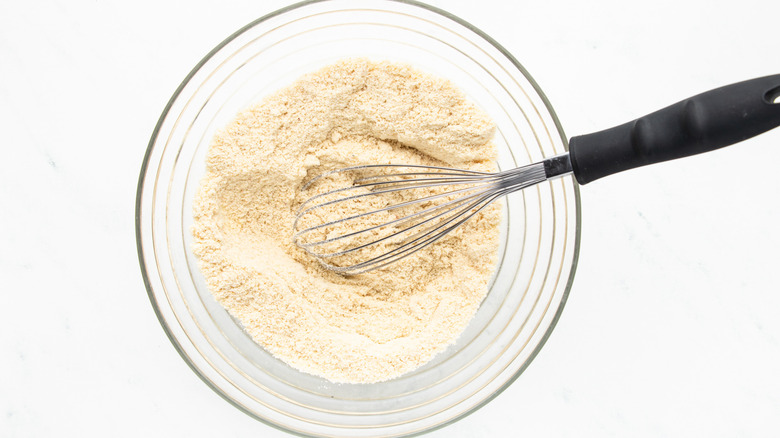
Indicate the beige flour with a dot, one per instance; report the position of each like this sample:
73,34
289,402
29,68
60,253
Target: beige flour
365,328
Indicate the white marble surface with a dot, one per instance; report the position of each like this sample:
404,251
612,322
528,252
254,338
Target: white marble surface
673,325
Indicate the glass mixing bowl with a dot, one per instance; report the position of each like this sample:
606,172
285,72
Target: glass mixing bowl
540,231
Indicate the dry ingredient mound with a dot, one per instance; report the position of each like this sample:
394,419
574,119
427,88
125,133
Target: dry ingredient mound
359,329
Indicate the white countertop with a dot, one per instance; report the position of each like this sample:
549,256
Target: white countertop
672,327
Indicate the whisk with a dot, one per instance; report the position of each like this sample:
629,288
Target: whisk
383,213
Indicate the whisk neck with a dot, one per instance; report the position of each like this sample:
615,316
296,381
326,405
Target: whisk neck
558,165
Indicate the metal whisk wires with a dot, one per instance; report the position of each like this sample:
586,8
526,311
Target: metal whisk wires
367,217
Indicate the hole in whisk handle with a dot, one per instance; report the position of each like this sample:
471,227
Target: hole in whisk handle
773,96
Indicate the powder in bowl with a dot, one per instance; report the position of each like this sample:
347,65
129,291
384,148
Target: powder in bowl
359,329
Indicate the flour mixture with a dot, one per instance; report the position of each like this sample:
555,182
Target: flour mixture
365,328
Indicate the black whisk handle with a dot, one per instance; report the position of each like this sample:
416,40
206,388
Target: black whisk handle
703,123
